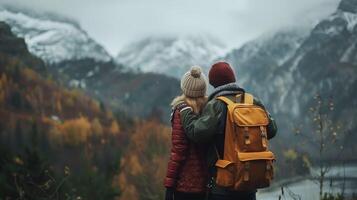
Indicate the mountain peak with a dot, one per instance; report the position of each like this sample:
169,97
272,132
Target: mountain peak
172,56
348,6
51,38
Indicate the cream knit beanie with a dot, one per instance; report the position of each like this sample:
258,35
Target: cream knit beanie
193,83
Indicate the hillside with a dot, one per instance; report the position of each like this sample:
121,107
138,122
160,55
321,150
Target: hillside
46,128
74,59
58,143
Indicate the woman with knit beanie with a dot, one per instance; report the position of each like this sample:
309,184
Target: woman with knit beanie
187,174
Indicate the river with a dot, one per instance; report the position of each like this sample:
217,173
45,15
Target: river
338,177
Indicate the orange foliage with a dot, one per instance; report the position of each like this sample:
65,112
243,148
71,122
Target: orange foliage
143,166
114,128
29,74
75,131
97,128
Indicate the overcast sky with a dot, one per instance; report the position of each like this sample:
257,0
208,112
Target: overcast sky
115,23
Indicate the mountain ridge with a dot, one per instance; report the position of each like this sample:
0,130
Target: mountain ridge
172,56
54,40
323,63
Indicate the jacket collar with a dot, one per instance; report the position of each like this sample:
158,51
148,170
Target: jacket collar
228,89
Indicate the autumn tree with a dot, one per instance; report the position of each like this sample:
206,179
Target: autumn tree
75,131
144,165
96,126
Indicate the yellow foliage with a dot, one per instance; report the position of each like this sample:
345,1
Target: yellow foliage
114,128
97,127
134,165
290,154
121,181
130,192
75,131
29,74
147,156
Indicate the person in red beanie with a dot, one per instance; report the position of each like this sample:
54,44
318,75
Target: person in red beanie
220,74
209,127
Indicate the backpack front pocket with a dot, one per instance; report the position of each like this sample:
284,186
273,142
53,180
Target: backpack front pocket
225,173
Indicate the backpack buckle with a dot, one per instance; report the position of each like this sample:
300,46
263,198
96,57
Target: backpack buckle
264,136
246,136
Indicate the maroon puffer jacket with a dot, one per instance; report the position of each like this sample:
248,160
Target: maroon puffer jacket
187,171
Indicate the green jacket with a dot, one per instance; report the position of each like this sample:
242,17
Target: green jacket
209,126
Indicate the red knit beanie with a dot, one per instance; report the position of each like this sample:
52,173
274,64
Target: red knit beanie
221,73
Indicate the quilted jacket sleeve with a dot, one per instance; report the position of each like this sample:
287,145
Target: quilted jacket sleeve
179,149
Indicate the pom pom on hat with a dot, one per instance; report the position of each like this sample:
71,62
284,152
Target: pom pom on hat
193,83
196,71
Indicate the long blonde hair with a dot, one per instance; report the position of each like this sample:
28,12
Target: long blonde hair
196,103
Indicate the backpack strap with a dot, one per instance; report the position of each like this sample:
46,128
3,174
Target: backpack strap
248,99
230,106
225,100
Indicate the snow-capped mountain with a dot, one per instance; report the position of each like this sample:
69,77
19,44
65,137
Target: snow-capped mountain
265,53
171,56
289,69
76,60
53,40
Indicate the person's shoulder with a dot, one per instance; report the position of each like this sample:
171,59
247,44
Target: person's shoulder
216,104
214,100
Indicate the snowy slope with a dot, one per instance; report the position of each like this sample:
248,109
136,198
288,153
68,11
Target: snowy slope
265,54
171,56
287,69
53,40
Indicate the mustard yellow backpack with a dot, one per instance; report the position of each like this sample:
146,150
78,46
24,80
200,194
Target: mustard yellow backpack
247,162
